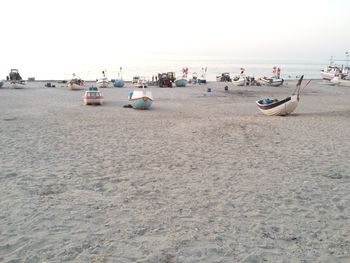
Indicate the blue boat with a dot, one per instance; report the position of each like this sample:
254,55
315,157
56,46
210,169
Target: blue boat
119,83
140,99
181,82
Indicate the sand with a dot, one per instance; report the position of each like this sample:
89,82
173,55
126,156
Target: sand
201,177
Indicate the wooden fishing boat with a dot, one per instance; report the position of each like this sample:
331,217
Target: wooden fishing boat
102,82
182,82
93,97
141,99
275,107
75,84
119,82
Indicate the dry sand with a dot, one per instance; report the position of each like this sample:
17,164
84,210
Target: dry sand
201,177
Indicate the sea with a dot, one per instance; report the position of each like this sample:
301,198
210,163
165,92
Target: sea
151,67
290,68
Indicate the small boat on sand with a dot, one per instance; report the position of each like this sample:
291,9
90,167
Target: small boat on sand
182,82
275,107
119,82
75,83
274,81
102,82
93,97
141,99
140,83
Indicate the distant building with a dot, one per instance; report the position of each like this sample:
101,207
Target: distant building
31,79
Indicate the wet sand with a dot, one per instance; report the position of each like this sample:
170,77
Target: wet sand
201,177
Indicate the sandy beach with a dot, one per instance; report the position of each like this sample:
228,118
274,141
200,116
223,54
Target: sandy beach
201,177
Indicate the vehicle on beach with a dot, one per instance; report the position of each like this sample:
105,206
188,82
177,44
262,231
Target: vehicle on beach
75,83
275,107
15,79
165,80
102,82
93,97
224,77
141,99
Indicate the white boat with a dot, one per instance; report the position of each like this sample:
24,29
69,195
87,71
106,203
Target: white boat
278,107
272,81
93,97
140,83
75,83
239,80
275,107
102,82
333,71
275,80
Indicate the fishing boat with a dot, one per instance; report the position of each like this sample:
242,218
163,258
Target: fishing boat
102,82
93,97
224,77
332,70
141,99
140,83
274,81
75,83
182,82
275,107
119,82
202,79
238,81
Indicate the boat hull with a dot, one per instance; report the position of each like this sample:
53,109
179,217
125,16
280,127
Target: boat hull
102,84
118,83
181,82
140,99
94,101
327,75
279,108
273,82
73,86
240,82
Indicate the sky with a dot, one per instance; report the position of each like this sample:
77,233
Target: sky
52,38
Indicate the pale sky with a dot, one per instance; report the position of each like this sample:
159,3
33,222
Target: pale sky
60,35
